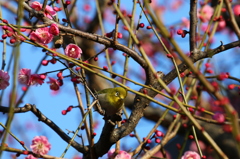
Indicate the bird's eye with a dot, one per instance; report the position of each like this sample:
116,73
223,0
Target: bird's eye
117,94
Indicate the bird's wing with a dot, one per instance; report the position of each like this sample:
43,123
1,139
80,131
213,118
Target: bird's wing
103,91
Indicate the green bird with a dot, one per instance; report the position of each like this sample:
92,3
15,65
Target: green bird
112,99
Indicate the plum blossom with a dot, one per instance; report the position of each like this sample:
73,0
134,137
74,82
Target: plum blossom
221,25
205,13
191,155
41,35
54,29
49,11
36,79
160,155
40,145
120,155
30,157
186,22
36,5
4,78
123,155
73,51
236,10
54,84
24,76
193,146
176,4
219,117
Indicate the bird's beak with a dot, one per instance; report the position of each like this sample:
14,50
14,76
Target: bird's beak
121,98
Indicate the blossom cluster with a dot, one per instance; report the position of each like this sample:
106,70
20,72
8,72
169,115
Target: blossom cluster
44,35
25,77
48,12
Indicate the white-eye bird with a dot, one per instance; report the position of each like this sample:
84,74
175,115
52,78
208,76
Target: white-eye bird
112,99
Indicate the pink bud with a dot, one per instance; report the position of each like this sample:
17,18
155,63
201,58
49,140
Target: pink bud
64,112
45,62
119,35
54,29
141,25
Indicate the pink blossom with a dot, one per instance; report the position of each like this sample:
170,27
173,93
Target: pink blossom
54,84
176,4
30,157
193,146
221,25
205,13
41,36
120,155
4,78
49,11
219,117
54,29
123,155
36,5
73,51
24,76
190,155
148,48
36,79
236,10
111,153
160,155
40,145
186,22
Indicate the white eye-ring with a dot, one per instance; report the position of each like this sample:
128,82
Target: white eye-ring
117,94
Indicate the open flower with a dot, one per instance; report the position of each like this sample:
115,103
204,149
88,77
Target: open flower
36,79
24,76
49,11
236,10
30,157
190,155
54,84
36,5
40,145
120,155
4,78
205,13
41,35
73,51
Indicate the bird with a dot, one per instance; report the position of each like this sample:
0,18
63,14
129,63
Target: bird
112,100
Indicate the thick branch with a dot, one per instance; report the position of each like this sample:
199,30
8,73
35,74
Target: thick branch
193,24
140,103
93,37
51,124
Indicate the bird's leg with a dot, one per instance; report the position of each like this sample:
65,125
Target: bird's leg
118,116
111,122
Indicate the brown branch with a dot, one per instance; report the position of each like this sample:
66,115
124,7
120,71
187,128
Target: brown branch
51,124
93,37
232,18
18,151
193,25
140,103
110,135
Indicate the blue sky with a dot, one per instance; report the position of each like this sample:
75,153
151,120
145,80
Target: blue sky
26,126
